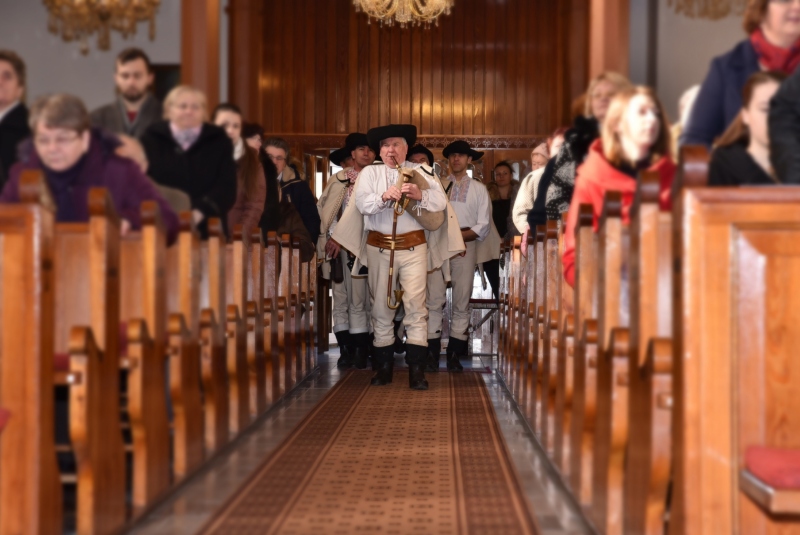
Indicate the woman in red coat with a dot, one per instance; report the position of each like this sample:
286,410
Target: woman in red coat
635,137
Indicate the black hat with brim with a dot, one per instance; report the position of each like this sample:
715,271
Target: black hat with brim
462,147
421,149
378,134
351,143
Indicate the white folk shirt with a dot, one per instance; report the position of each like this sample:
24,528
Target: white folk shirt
470,200
374,180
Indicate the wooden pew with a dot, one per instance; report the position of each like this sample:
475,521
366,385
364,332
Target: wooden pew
527,328
549,333
272,325
296,303
502,312
87,299
584,381
237,365
30,488
737,278
647,465
213,303
562,422
143,314
183,328
512,335
536,314
286,335
256,358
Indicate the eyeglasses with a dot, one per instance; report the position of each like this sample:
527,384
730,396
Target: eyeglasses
58,141
276,158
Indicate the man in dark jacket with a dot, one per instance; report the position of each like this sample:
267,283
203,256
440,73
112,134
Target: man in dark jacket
13,112
135,108
784,130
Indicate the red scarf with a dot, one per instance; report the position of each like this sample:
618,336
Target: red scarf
775,58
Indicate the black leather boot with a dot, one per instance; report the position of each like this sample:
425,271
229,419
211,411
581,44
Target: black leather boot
360,353
417,356
344,340
399,344
385,367
434,351
455,349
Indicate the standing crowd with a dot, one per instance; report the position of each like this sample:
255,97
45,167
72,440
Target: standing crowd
390,231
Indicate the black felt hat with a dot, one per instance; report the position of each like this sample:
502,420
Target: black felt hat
351,143
461,147
378,134
420,149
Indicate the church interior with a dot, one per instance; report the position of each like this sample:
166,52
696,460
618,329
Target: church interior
399,267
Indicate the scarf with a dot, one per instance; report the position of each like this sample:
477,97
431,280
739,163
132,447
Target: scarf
185,138
775,58
238,150
61,184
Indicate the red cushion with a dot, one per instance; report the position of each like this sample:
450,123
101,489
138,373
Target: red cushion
61,362
777,467
4,416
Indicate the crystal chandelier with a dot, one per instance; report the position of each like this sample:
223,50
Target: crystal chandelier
77,20
414,12
708,9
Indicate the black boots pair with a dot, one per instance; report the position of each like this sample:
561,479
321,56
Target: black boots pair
399,343
415,356
354,349
455,350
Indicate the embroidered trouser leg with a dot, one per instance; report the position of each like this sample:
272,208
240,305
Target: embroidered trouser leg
435,300
350,302
410,268
462,275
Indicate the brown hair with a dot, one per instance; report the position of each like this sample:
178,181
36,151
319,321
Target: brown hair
16,63
612,146
754,15
60,111
279,143
132,54
737,132
250,171
614,78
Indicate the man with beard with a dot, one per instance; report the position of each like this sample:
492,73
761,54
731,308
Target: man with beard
350,293
135,108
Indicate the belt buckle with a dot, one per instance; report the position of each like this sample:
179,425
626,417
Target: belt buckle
389,243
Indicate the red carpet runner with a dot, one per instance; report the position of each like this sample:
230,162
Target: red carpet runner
388,460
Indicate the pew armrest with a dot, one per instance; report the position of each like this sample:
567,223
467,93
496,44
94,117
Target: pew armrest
775,501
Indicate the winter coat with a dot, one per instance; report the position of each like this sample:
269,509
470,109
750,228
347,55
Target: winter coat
720,96
784,130
206,171
292,223
114,118
297,191
732,165
538,214
247,212
595,177
13,129
99,167
562,180
523,203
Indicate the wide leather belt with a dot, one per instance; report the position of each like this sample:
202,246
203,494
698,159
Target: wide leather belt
402,242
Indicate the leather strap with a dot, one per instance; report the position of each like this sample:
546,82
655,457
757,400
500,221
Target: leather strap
403,242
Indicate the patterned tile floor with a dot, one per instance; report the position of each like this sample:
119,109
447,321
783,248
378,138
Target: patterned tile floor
199,497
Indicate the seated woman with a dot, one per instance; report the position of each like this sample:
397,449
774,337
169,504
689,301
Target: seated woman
250,182
75,158
193,156
502,192
635,137
742,153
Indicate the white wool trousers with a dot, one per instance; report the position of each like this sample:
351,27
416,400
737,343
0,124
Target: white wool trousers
462,275
350,302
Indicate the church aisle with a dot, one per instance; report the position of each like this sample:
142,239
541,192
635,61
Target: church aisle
203,496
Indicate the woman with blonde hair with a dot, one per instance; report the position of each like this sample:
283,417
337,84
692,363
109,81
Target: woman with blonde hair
772,44
187,153
635,137
558,179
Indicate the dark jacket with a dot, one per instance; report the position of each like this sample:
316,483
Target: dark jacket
113,117
13,129
99,167
206,171
298,192
732,165
720,96
291,223
538,214
784,130
561,181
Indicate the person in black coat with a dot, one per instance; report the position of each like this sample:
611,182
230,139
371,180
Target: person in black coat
193,156
742,153
293,186
784,130
13,113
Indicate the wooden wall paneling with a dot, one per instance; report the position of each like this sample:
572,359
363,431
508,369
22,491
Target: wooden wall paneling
245,61
200,47
470,93
490,46
479,70
353,75
608,36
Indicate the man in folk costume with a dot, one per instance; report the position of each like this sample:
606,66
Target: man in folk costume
350,297
397,248
470,200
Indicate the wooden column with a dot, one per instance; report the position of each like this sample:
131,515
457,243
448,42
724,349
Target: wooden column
608,37
245,52
200,47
